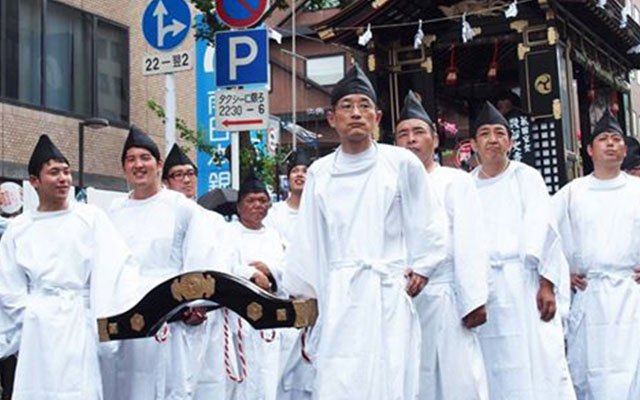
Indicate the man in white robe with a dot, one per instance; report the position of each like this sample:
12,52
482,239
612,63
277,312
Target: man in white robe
205,345
297,372
260,250
370,231
522,342
164,233
61,267
453,301
599,220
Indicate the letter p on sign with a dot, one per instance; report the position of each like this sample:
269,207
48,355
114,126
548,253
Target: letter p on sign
242,58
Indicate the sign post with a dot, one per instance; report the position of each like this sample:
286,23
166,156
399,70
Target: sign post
165,24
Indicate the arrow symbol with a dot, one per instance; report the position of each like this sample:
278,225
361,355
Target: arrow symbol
174,28
226,122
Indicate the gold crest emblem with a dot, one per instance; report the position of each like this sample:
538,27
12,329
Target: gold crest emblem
193,286
254,311
543,84
137,322
281,314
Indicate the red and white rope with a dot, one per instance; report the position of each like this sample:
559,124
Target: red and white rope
303,347
163,333
266,339
227,359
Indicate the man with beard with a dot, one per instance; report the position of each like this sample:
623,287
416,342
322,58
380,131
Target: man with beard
61,267
599,220
522,341
370,231
453,302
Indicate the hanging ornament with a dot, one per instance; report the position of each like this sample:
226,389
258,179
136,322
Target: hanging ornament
467,30
365,37
512,10
417,39
591,93
492,73
451,73
602,3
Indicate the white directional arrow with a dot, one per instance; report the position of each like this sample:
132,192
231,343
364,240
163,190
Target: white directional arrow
174,28
159,13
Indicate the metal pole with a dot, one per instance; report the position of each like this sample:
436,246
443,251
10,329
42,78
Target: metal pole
170,111
293,75
235,160
81,155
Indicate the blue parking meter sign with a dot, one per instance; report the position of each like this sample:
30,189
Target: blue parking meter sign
242,58
165,23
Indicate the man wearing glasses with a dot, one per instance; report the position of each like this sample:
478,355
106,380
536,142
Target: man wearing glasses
370,231
180,173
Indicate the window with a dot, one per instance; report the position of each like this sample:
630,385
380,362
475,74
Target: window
325,70
64,64
112,72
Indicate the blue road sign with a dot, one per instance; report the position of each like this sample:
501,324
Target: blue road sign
242,57
165,23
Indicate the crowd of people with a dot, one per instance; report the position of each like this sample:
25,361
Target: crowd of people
432,283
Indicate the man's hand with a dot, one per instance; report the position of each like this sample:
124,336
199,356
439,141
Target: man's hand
194,316
546,300
262,267
260,279
415,282
636,275
578,281
475,318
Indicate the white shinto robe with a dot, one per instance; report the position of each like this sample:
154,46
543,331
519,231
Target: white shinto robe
208,353
165,236
296,382
451,367
362,223
599,221
524,356
59,271
262,348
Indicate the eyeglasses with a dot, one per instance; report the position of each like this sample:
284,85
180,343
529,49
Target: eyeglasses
182,174
348,107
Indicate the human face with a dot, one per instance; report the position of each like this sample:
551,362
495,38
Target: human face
252,209
492,143
354,117
416,135
52,184
141,169
607,150
183,179
297,178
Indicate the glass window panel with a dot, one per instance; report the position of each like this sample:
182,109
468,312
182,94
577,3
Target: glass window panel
68,59
24,46
325,70
112,67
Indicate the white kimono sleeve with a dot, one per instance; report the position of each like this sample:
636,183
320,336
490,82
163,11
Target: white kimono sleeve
206,244
306,260
560,206
540,237
13,296
423,219
471,259
114,273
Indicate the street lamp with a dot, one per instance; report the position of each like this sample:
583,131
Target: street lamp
93,123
